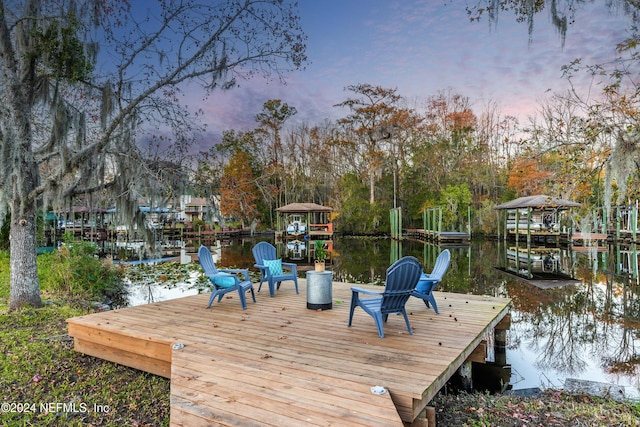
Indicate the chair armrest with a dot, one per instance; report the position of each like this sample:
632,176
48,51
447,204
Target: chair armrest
264,270
365,291
427,283
431,277
244,271
291,265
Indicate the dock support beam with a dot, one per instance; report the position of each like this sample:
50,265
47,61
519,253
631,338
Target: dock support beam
465,372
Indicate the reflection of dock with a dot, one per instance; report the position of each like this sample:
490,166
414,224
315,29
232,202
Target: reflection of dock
541,266
586,239
589,249
626,261
542,280
534,260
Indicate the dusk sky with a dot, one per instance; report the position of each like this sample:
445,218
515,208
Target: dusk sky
421,48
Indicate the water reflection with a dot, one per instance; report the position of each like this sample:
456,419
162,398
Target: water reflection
584,327
587,328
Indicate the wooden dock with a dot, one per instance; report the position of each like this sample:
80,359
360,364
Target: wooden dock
587,239
279,363
439,237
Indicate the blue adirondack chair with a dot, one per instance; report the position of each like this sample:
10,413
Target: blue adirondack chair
223,280
402,277
428,282
272,270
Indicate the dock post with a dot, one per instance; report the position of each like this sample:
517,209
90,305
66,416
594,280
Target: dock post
500,347
634,222
424,222
618,223
431,416
432,225
427,418
517,228
184,258
465,372
528,226
500,340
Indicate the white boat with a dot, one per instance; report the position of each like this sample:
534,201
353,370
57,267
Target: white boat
296,225
544,260
295,249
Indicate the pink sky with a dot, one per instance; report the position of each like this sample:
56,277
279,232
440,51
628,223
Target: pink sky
420,48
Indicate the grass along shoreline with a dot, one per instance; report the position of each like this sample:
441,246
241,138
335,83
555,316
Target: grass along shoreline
46,383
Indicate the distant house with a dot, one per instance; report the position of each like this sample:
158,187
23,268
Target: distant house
157,214
197,208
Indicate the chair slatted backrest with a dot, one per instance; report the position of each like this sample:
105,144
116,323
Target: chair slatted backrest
441,266
402,277
206,261
262,251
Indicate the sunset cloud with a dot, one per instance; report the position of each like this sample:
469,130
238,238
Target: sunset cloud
420,48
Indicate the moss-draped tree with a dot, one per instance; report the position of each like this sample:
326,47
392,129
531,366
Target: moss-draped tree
612,116
72,116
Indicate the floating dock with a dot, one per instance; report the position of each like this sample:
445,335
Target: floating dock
442,238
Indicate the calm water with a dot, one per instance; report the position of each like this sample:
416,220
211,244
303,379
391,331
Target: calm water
587,329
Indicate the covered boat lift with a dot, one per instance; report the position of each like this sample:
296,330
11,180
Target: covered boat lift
300,224
542,219
536,217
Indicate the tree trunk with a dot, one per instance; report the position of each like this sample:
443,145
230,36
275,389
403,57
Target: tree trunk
24,179
25,287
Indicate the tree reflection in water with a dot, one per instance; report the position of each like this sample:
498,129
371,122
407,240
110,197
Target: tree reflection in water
588,329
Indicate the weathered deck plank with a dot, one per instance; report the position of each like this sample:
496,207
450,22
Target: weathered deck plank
278,363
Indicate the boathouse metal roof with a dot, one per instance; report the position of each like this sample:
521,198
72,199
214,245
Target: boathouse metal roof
540,202
303,208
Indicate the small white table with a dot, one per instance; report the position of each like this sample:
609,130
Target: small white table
319,290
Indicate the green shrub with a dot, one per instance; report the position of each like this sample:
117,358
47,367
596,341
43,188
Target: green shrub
4,276
75,271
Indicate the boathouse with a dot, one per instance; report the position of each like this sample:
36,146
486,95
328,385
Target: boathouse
299,225
541,218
